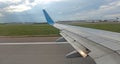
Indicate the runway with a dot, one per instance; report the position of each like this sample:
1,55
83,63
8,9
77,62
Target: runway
4,39
39,53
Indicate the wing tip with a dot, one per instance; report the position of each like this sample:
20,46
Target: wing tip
48,18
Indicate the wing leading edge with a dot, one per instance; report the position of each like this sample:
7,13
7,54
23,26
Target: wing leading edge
102,46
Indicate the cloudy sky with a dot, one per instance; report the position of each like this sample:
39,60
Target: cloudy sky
31,10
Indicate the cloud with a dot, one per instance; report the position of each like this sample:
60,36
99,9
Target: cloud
10,1
46,1
111,5
18,8
25,5
110,10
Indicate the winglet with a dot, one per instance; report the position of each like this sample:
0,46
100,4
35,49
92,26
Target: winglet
48,18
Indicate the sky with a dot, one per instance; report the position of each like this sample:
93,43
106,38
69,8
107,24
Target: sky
59,10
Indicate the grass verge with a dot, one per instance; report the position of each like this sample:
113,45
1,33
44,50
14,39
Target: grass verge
27,30
114,27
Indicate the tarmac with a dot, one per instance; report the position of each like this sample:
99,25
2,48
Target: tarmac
16,39
39,53
37,50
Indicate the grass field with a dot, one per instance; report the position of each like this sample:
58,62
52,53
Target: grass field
27,30
114,27
47,30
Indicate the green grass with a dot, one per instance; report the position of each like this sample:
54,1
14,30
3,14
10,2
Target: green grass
27,30
47,30
114,27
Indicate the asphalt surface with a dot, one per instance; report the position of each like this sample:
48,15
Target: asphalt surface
42,53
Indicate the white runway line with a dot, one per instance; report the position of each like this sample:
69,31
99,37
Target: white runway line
33,43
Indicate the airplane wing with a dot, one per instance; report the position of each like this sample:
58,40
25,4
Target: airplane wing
102,46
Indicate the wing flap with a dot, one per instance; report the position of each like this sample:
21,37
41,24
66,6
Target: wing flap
81,43
73,54
100,53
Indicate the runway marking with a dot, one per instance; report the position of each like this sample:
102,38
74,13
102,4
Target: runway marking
33,43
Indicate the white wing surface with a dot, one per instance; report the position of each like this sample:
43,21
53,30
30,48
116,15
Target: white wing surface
102,46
